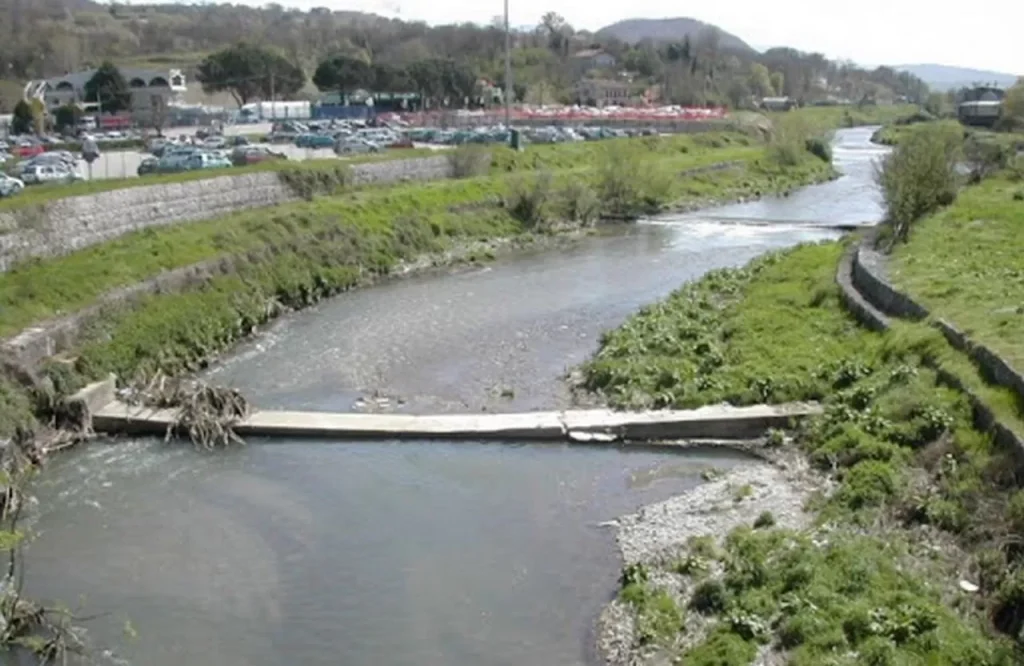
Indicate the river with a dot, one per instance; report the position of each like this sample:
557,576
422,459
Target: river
432,554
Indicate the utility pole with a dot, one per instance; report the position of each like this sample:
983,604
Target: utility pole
508,72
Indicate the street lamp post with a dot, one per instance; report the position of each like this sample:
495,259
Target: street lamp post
508,72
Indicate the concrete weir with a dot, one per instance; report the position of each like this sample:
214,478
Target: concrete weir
591,425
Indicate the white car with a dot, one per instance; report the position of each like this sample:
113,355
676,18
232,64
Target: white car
49,173
355,145
9,186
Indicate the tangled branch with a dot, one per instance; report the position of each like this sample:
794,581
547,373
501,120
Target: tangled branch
206,414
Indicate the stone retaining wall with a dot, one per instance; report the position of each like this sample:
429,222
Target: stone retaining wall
865,293
870,281
869,278
65,225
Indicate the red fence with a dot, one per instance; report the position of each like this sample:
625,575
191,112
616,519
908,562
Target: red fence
653,115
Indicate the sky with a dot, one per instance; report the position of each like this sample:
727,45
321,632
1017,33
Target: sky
870,32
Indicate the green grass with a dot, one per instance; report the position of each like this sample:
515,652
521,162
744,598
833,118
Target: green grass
850,601
40,289
964,264
901,446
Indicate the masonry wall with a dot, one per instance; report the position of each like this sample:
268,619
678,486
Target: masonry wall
65,225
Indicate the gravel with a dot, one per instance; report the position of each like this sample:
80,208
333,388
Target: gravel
657,536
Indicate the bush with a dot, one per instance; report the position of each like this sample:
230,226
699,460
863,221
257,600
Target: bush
984,157
710,597
528,198
468,161
919,176
628,185
579,203
868,483
820,148
766,519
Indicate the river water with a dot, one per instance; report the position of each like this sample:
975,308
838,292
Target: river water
318,553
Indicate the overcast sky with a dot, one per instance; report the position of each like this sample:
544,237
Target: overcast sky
870,32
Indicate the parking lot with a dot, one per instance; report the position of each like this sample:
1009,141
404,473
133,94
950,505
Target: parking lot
125,163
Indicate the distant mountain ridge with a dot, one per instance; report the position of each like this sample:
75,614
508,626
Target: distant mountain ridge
668,29
947,77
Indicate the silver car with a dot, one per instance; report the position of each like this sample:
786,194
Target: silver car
49,173
9,186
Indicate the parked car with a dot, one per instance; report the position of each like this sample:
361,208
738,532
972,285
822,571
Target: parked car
214,142
354,145
49,173
9,186
254,154
148,165
314,140
206,160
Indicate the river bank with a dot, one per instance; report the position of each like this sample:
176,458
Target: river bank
898,554
243,270
505,537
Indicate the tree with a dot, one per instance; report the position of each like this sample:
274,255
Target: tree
778,82
1013,104
67,117
250,72
108,87
22,121
386,77
344,74
761,80
158,113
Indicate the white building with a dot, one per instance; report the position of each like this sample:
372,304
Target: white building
148,88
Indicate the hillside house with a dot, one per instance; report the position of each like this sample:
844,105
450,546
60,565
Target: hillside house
603,92
589,60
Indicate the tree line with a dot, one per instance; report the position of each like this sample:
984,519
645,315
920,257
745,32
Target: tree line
250,72
42,38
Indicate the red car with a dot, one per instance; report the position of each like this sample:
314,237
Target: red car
26,150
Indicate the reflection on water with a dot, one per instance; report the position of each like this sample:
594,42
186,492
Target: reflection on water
290,552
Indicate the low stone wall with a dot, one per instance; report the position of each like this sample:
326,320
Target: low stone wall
869,278
866,293
66,225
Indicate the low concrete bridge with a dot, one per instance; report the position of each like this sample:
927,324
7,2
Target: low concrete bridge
592,425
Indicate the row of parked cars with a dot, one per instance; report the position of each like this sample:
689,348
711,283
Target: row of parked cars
57,166
176,157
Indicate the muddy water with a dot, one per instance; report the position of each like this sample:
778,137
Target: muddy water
289,552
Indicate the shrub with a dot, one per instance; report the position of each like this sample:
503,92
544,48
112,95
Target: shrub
528,199
919,176
984,157
820,148
468,161
579,203
710,597
766,519
721,648
868,483
628,185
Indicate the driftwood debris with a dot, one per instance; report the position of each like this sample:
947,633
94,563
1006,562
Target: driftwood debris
205,414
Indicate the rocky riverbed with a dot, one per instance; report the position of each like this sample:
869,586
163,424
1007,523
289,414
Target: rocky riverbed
658,535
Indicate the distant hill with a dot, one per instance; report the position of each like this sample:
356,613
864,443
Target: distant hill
945,77
668,29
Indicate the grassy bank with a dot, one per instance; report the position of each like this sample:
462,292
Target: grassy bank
920,499
825,118
964,264
296,254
